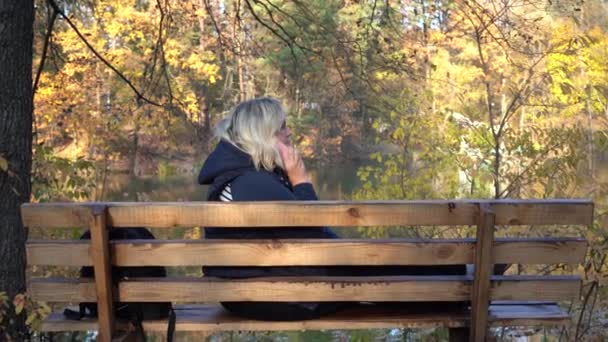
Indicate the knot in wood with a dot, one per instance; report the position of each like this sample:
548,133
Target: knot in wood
354,212
445,252
275,244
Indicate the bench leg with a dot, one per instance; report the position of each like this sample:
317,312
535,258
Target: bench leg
458,334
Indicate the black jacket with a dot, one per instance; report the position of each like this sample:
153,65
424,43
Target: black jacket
229,165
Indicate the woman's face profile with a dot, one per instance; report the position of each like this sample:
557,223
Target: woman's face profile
284,134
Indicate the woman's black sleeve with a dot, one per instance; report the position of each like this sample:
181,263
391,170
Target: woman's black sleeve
261,186
305,192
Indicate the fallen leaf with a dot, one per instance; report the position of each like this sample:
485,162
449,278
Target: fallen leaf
3,164
19,302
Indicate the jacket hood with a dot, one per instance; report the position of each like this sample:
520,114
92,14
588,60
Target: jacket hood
225,160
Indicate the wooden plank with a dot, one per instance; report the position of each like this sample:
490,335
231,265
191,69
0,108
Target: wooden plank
295,252
208,289
552,288
286,289
311,213
528,315
56,215
539,251
57,322
257,252
63,290
294,214
58,252
212,317
310,252
508,311
404,288
100,254
542,212
480,294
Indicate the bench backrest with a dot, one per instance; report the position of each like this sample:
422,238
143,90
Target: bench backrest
484,250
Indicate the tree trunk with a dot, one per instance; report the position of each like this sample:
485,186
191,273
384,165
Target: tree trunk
204,118
134,146
16,36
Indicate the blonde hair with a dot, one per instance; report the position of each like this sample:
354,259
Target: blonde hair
251,126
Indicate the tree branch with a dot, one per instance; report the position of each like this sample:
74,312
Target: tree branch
159,40
215,25
277,34
138,94
47,40
161,48
528,168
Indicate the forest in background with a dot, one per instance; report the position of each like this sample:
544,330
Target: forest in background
448,99
508,93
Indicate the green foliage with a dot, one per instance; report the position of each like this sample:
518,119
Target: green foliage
416,163
35,312
61,179
165,170
3,164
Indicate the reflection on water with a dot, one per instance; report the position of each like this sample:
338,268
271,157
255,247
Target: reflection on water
332,182
123,188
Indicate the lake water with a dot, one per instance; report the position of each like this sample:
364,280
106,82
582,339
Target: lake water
332,182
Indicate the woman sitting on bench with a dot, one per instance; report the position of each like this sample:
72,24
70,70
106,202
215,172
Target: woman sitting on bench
256,161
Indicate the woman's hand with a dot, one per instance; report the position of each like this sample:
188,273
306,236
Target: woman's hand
293,164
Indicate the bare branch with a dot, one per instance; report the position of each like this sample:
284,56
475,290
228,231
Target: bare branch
528,168
161,48
159,41
277,34
215,25
47,40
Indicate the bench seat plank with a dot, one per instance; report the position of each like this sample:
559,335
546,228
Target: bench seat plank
212,317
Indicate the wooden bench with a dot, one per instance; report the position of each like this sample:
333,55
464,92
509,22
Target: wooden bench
495,300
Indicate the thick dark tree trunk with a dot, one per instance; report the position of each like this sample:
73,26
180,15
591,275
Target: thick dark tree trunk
16,26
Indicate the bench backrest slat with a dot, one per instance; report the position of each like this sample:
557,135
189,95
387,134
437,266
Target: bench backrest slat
316,213
438,288
305,252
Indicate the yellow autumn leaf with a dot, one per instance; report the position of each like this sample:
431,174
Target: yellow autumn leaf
200,13
43,311
3,164
19,303
31,318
